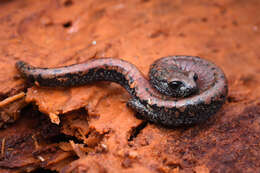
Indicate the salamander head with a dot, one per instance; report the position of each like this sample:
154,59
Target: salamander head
172,81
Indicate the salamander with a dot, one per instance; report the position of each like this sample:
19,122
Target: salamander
179,90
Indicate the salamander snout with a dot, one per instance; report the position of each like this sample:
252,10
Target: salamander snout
182,87
173,81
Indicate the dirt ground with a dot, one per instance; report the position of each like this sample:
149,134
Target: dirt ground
90,128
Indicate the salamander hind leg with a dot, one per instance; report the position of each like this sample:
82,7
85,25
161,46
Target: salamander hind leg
144,112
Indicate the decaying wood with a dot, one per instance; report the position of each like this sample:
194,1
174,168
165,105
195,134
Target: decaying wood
95,131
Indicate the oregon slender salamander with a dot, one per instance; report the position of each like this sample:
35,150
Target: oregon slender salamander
183,90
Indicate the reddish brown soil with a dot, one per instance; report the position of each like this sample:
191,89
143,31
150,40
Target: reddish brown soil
95,131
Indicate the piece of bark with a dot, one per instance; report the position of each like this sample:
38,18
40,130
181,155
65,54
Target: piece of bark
27,144
10,108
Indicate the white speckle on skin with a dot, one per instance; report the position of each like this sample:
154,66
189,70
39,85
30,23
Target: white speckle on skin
182,88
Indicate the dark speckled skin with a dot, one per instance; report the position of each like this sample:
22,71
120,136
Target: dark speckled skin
201,94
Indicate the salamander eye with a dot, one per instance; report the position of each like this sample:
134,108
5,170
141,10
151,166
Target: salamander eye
175,84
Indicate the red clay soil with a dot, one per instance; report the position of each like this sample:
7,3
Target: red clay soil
90,128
